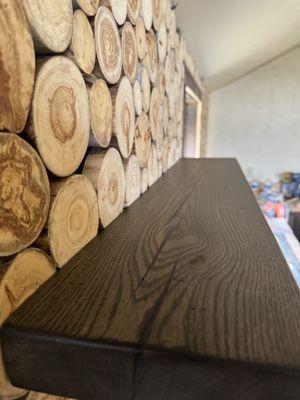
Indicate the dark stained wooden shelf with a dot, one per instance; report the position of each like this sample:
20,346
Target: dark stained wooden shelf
185,296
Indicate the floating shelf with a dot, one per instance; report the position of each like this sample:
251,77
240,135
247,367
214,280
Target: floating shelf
185,296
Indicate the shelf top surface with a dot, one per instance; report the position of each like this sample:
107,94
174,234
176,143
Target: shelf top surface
191,267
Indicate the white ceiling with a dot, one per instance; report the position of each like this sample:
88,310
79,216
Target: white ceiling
229,38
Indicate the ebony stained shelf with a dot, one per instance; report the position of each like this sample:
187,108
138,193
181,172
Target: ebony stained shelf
185,296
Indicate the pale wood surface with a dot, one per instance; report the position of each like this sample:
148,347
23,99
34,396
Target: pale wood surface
106,172
143,139
82,43
129,51
108,45
60,122
16,81
133,10
132,180
51,24
88,6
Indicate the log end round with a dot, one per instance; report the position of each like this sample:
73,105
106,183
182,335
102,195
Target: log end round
111,187
82,43
119,10
24,194
132,180
73,219
129,52
147,13
155,113
152,166
144,180
125,117
141,40
142,139
16,82
137,95
101,112
133,10
51,24
90,7
108,45
60,114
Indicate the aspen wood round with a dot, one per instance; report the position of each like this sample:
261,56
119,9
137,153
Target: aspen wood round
137,95
147,13
129,52
16,82
74,219
142,139
152,166
165,155
90,7
165,115
159,142
100,112
123,115
146,89
24,194
159,169
144,180
141,41
133,10
132,180
106,172
51,23
108,45
60,122
168,10
82,43
172,29
20,276
154,113
151,58
160,81
118,9
162,42
156,14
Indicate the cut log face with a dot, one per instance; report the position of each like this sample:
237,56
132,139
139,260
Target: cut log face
141,40
82,43
152,166
172,28
156,8
165,155
118,9
124,116
168,13
144,180
60,115
160,172
166,116
162,42
133,10
106,172
51,24
73,219
142,139
101,112
154,113
146,90
160,81
90,7
16,82
159,142
146,12
19,278
151,58
108,45
129,52
137,95
132,180
24,194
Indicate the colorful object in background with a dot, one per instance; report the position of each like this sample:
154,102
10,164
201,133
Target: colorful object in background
275,210
290,185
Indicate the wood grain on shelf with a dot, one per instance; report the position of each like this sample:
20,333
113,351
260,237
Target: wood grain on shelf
185,296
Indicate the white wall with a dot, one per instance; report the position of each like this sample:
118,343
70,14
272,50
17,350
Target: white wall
257,119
